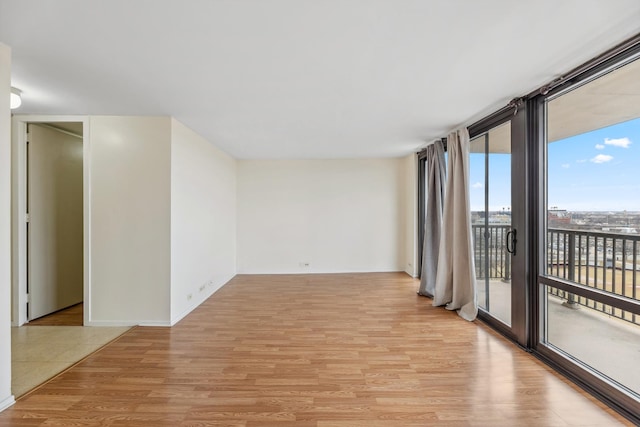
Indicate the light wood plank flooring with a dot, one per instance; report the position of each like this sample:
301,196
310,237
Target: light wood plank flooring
344,350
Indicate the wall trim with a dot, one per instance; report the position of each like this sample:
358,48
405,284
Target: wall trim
197,304
9,401
108,323
155,323
317,273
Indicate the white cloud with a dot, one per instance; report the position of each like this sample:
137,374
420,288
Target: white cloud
566,165
581,161
619,142
599,147
602,158
477,185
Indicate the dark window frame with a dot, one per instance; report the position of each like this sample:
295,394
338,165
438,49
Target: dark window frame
515,112
615,397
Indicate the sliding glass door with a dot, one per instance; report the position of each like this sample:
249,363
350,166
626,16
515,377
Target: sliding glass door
490,196
496,182
590,256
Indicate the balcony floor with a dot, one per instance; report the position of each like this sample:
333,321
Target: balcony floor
606,343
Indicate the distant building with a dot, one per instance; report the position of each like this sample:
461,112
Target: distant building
558,217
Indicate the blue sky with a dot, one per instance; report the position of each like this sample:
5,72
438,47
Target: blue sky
595,171
499,185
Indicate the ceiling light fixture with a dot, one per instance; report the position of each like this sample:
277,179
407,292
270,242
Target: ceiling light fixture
16,98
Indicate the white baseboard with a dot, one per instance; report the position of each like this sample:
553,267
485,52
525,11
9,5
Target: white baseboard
155,323
411,273
116,323
301,271
9,401
192,307
107,323
197,303
162,323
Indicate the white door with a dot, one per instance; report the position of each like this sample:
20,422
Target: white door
54,203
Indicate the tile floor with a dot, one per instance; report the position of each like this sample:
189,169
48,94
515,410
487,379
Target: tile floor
40,353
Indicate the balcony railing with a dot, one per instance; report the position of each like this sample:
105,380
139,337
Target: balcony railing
601,260
491,257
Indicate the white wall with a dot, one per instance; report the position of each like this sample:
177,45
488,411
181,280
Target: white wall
410,219
203,219
162,219
336,215
6,398
130,220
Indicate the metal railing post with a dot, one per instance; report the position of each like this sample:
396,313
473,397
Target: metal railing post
571,274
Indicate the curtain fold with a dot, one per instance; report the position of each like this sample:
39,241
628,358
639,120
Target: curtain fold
434,186
455,285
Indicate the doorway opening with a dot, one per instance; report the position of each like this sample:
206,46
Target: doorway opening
54,221
50,210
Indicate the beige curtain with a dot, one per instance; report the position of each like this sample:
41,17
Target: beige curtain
435,182
455,279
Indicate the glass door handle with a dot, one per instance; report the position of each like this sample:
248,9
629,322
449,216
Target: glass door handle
511,241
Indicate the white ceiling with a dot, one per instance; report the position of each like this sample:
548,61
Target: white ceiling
611,99
302,78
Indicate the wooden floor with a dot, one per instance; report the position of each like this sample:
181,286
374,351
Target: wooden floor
71,316
321,350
